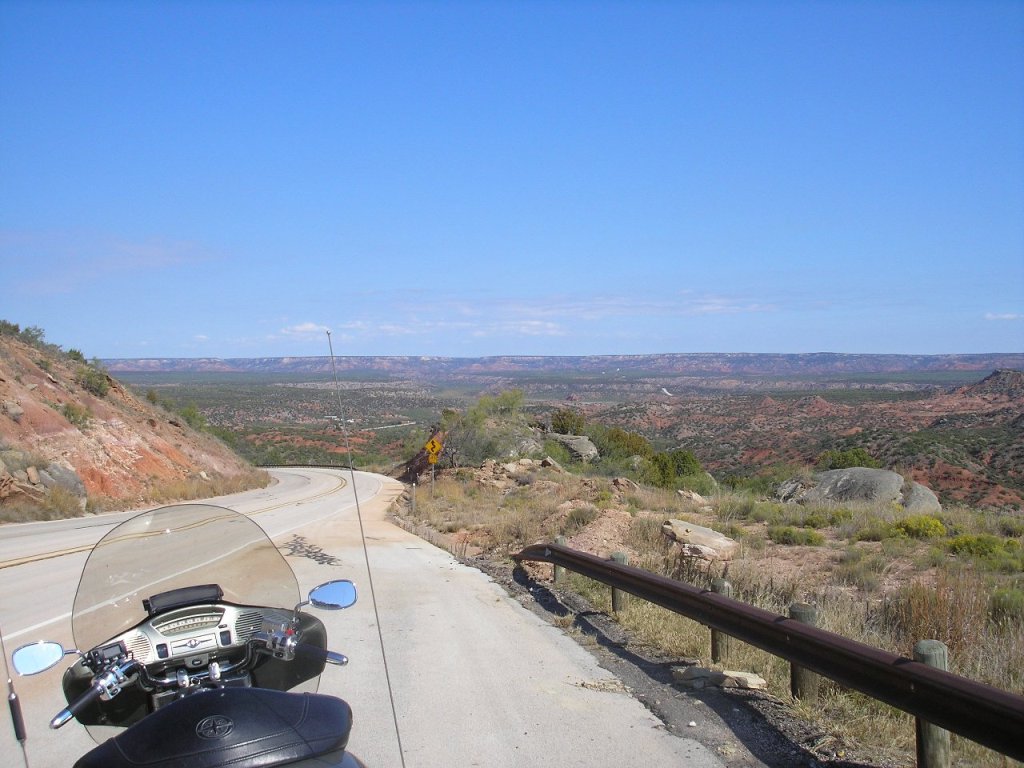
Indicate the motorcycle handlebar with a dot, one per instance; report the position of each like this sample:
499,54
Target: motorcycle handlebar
107,683
315,651
71,710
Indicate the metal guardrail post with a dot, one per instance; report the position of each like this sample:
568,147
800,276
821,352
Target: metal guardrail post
803,683
932,741
980,712
719,640
618,596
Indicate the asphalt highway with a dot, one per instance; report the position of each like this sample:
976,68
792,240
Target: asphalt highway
475,679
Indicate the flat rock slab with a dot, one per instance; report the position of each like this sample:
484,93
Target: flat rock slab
701,677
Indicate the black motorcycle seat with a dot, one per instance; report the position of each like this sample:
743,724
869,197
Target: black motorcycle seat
234,727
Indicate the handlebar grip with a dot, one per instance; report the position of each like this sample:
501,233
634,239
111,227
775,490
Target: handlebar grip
76,706
321,654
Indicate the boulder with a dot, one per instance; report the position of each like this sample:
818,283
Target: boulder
921,500
547,461
861,485
693,497
13,410
66,477
578,445
624,484
698,541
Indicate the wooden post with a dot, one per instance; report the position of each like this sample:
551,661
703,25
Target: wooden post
414,500
559,576
803,683
720,640
932,741
619,597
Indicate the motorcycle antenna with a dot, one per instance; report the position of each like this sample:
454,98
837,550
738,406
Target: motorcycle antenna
366,551
17,720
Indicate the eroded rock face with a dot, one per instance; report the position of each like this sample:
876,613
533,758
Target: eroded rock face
861,485
20,476
120,449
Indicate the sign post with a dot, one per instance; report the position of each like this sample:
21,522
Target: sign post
433,449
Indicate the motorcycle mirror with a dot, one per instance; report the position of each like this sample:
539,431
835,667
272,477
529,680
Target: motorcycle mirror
38,657
333,595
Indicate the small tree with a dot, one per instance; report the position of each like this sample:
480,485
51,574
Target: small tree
852,457
566,421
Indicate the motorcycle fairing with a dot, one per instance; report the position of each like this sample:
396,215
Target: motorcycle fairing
230,726
133,704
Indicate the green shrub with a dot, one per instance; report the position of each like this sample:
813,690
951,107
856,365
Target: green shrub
558,452
991,552
676,469
787,534
767,512
852,457
1007,605
579,518
860,568
820,517
78,415
920,527
190,413
76,355
93,380
737,507
614,443
1011,526
874,529
975,544
567,421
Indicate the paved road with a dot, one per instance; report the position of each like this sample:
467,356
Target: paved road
476,679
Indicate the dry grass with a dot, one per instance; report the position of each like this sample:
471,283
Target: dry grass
853,585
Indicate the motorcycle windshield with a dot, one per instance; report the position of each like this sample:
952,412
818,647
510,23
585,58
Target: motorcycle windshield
172,547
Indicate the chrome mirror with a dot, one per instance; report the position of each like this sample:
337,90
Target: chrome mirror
38,657
333,595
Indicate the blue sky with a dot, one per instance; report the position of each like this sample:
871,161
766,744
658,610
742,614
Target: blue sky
230,179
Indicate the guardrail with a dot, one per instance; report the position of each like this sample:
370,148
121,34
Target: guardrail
982,713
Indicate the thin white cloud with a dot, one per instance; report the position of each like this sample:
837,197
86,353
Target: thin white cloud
305,329
598,308
549,316
1003,316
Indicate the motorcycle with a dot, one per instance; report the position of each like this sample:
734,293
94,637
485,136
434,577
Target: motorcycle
195,657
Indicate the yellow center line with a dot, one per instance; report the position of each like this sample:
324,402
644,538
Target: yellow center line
88,547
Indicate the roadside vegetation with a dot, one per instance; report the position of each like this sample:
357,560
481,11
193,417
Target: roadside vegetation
876,574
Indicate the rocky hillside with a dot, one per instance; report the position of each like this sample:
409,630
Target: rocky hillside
70,431
967,444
